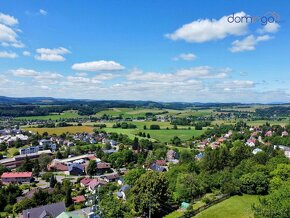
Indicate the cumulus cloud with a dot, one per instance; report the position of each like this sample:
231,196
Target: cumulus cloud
8,31
40,77
5,54
26,53
185,56
55,54
204,30
8,20
22,72
248,43
43,12
101,65
269,28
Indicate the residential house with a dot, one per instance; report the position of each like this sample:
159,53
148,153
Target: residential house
79,199
103,167
95,183
111,177
157,168
161,162
269,133
122,192
171,154
50,210
92,183
56,165
16,177
284,134
85,181
251,142
76,169
35,149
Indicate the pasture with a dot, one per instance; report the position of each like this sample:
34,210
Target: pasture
54,116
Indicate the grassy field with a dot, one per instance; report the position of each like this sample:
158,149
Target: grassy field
234,207
141,112
64,115
60,130
162,135
128,112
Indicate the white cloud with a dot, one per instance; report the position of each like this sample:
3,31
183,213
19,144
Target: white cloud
55,54
43,12
40,77
26,53
235,85
204,30
269,28
248,43
194,73
98,66
22,72
185,56
8,20
5,54
8,32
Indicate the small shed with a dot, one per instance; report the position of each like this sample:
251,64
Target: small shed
184,205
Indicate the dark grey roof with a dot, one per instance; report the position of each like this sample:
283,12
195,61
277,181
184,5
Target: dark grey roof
157,168
75,165
124,188
52,210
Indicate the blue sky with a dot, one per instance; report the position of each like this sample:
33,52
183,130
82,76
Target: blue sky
146,50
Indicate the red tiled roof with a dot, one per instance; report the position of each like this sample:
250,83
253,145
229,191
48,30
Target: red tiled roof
16,175
60,167
86,181
79,199
92,157
96,182
160,162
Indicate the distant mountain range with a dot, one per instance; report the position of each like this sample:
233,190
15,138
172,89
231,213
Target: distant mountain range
50,100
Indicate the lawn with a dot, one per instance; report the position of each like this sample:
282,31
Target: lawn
234,207
60,130
65,115
175,214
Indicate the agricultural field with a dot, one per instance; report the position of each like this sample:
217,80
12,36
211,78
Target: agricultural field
254,122
234,207
141,112
54,116
128,112
60,130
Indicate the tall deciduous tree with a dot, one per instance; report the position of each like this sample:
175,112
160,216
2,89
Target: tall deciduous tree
150,192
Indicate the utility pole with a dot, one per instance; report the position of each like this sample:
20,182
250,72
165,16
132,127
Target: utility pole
150,208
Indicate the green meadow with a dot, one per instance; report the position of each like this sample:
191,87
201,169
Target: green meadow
234,207
54,116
